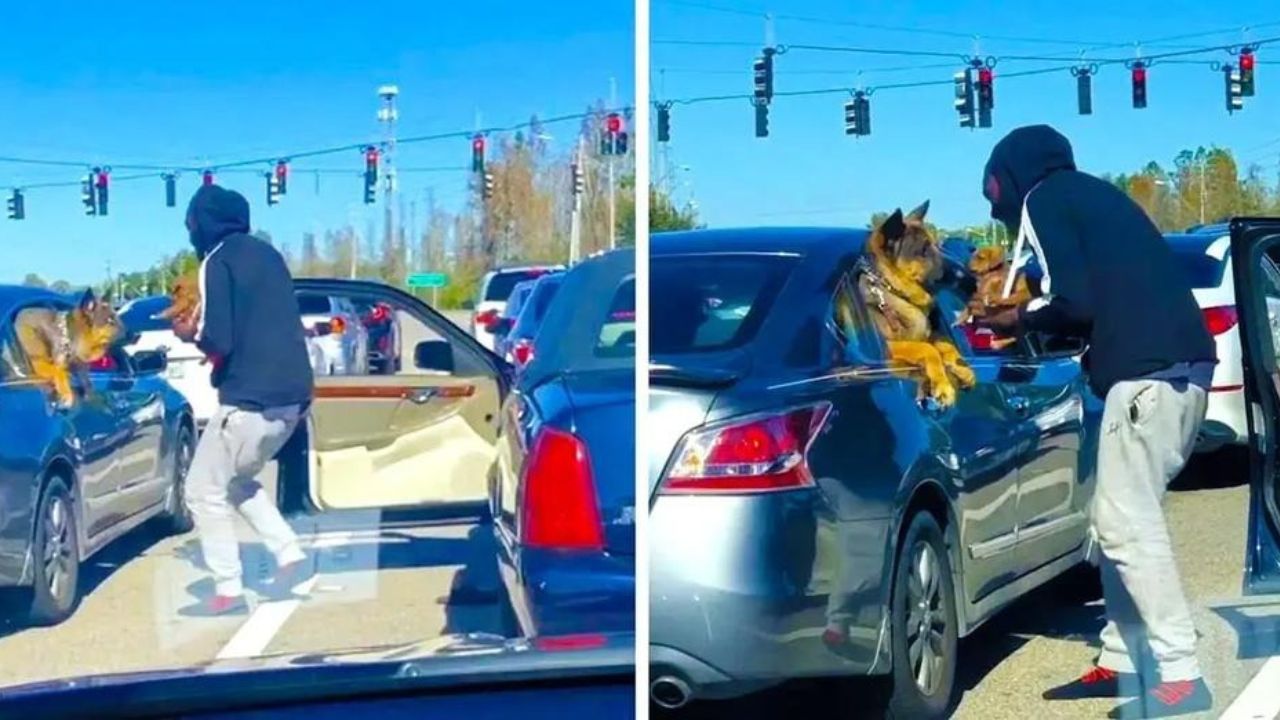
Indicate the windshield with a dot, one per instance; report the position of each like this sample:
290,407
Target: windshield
1202,269
712,302
329,455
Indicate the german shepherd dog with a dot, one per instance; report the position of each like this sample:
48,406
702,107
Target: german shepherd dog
902,259
60,342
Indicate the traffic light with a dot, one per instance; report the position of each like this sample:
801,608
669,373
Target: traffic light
614,139
579,179
986,96
370,174
282,177
762,68
88,195
17,207
273,188
964,97
207,178
1138,72
170,190
1084,89
487,188
477,153
1247,62
762,119
1235,93
101,181
857,115
664,122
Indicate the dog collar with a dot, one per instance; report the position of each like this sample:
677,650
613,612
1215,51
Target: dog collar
876,281
63,351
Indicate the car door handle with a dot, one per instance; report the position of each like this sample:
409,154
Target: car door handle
1018,404
420,396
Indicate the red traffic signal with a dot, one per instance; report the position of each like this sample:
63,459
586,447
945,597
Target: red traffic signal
1246,60
103,178
613,123
371,158
207,178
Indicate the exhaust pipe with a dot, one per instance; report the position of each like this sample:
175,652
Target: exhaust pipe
670,692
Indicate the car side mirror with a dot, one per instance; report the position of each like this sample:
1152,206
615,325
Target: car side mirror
434,355
503,325
150,361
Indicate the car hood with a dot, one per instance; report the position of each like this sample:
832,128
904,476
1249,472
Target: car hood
465,657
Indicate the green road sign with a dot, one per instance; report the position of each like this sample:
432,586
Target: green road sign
427,280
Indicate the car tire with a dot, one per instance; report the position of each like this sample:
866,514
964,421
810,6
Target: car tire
924,624
55,551
176,517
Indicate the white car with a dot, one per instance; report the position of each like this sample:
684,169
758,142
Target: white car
1204,254
495,288
336,335
187,370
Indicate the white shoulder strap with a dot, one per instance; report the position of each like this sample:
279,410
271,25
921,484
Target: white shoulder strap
1027,237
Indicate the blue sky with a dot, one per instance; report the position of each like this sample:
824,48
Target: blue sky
809,172
189,84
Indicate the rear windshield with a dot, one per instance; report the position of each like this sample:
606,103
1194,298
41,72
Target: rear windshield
543,294
618,333
1203,271
713,302
314,305
501,285
517,300
140,316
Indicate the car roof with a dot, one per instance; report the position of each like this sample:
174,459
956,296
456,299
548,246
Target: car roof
12,295
1198,242
523,268
820,242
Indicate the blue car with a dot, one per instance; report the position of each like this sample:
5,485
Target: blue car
517,346
563,493
71,481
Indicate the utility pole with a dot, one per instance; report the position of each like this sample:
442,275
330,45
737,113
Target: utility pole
1204,161
613,190
388,115
575,221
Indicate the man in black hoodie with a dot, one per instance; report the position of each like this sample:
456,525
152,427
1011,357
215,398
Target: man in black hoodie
1109,278
250,329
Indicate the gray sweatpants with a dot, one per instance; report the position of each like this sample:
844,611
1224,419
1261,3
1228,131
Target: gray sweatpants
1149,429
235,446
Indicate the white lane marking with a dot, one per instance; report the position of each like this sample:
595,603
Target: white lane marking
1261,697
266,620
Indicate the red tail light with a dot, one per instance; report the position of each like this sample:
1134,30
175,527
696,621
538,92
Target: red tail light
337,326
761,454
522,352
487,319
560,507
106,363
979,338
1220,319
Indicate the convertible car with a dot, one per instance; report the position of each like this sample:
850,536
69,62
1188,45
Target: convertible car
72,481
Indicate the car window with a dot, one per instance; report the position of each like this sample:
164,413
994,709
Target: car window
855,335
13,363
501,285
712,302
543,294
309,304
617,338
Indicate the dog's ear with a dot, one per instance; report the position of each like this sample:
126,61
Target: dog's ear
893,226
920,211
88,301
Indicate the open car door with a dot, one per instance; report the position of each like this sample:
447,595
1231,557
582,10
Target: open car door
417,432
1255,251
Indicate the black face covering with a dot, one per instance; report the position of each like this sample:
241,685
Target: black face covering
213,214
1018,162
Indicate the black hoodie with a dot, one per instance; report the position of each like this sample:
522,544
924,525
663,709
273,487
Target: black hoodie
1108,275
249,323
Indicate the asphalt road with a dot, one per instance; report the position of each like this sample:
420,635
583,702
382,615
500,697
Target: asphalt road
374,588
1049,638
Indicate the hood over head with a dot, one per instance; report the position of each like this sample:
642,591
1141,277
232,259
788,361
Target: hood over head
214,213
1021,159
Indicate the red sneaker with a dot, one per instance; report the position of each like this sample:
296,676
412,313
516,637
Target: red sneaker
1098,682
216,606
